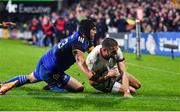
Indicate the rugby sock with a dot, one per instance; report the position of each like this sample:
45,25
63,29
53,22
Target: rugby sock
55,88
21,80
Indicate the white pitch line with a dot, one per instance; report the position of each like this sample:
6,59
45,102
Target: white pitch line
92,97
152,68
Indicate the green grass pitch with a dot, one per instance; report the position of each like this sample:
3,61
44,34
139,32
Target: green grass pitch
159,75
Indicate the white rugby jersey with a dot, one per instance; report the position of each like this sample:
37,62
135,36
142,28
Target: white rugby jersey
98,64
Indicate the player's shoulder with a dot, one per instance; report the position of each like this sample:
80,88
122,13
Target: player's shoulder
119,50
97,48
95,51
120,54
76,37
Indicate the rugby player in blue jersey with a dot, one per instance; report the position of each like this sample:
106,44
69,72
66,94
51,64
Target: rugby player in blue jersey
58,59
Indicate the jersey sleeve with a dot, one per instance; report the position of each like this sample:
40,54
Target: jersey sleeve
119,57
92,57
78,45
82,44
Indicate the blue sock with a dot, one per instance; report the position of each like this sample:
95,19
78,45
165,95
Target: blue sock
21,80
55,88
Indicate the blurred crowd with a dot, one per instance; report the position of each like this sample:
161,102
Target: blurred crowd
156,15
110,16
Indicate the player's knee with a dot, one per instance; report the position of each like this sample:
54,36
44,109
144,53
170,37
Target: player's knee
138,85
79,89
31,78
133,91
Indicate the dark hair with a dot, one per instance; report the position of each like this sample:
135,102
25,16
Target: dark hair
109,43
85,26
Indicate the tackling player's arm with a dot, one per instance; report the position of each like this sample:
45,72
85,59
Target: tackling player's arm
78,50
79,56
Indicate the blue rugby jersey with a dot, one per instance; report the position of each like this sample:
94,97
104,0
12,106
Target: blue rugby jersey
60,57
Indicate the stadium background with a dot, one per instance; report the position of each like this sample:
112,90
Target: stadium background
160,76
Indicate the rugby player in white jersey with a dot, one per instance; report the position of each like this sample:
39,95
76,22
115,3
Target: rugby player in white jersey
106,61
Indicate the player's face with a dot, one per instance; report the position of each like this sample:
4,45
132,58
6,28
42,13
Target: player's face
111,52
93,33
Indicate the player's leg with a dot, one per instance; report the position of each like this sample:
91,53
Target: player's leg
31,78
16,82
63,81
74,85
21,80
131,89
69,83
133,81
118,88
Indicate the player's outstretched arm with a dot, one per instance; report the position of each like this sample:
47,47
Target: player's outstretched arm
6,24
125,80
79,56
